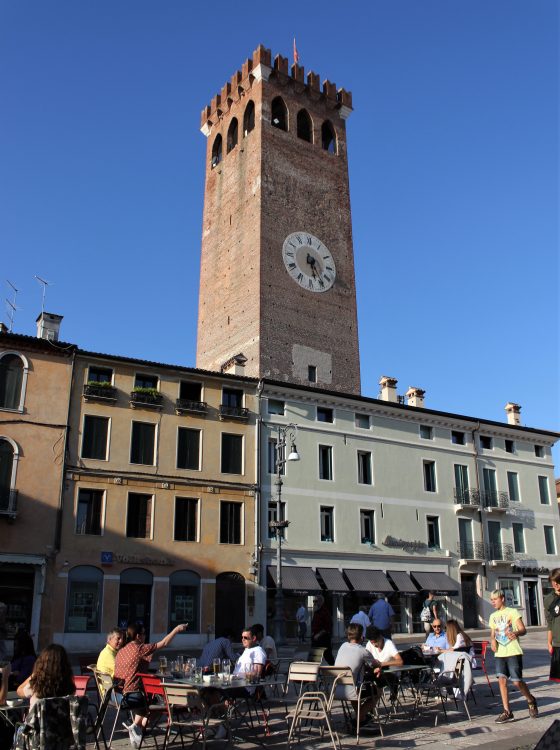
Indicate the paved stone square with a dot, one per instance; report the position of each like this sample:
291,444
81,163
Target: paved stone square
458,732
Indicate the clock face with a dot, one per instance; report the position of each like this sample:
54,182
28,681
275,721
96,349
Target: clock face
309,262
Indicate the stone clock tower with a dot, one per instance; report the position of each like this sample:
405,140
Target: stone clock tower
277,268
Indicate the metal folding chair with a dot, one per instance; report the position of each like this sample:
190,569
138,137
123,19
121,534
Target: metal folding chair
186,711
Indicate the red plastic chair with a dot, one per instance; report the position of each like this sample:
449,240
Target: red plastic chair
155,698
480,648
81,681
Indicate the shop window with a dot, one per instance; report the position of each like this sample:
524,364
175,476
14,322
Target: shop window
232,454
184,599
13,377
188,448
279,114
304,126
186,519
139,516
8,453
85,594
135,597
88,511
328,137
232,135
248,118
142,444
216,151
230,522
17,585
95,437
511,589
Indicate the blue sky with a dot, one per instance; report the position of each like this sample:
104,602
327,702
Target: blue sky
453,153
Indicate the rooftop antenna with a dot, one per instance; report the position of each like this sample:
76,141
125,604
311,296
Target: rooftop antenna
12,306
45,285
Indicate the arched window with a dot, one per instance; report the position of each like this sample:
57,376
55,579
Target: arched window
279,114
135,596
184,599
7,501
304,126
85,594
328,137
13,374
232,135
249,118
217,151
230,602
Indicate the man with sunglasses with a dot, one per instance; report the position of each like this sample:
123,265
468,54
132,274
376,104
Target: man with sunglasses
437,639
253,657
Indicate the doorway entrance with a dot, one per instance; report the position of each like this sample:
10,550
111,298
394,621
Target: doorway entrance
230,603
469,597
531,603
135,598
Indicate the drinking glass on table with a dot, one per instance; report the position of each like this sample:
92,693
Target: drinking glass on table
226,669
216,664
162,664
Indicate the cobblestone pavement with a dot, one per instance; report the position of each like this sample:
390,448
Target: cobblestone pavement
458,732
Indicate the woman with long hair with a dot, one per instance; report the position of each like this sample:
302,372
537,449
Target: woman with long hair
51,677
457,638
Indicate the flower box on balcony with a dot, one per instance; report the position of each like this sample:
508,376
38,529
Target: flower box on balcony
186,406
94,391
146,397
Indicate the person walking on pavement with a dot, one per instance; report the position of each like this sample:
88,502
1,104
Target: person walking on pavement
381,614
552,613
301,618
430,612
506,627
321,628
361,618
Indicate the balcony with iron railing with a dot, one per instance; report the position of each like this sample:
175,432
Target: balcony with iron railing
466,498
495,501
8,502
186,406
498,552
470,550
146,397
239,413
104,392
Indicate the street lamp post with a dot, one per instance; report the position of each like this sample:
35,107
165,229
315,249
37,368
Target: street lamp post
285,434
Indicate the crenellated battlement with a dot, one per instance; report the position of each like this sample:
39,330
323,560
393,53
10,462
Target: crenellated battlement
260,67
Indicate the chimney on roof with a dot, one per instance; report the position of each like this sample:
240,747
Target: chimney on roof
235,365
388,389
3,328
415,396
513,412
48,326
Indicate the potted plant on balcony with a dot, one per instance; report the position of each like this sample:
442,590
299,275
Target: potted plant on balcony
146,395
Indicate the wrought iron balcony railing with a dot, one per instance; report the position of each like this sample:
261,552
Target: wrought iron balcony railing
185,405
233,412
467,497
498,500
8,502
471,550
100,392
500,552
139,398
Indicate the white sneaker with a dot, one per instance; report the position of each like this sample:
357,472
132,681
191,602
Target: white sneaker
126,726
135,735
221,733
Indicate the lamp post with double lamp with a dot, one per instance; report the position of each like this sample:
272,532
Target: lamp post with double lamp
285,434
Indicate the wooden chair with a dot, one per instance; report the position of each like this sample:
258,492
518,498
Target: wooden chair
480,648
303,676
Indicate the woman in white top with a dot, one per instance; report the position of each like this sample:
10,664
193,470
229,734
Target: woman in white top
457,638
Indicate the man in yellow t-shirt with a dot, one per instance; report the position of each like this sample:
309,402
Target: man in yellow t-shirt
106,659
506,626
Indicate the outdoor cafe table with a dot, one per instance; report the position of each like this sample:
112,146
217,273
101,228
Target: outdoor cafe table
13,709
408,669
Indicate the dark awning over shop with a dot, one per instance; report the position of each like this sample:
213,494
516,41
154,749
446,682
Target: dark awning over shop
439,583
333,580
296,578
402,581
370,581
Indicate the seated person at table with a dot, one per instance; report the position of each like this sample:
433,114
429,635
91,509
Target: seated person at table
253,657
133,658
267,643
355,656
457,638
386,654
23,659
107,656
51,677
437,640
219,648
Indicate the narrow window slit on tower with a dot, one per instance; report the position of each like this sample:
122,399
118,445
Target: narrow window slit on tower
232,135
304,126
216,151
248,118
328,137
279,114
312,373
